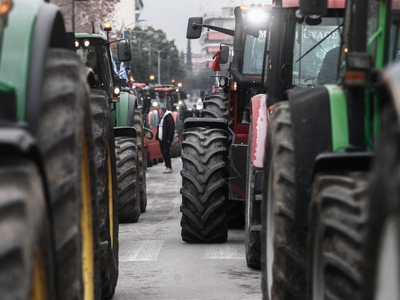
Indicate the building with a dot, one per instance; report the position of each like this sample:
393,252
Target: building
211,40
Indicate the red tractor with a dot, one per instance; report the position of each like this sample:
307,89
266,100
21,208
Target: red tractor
214,147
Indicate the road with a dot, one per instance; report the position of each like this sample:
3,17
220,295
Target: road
154,262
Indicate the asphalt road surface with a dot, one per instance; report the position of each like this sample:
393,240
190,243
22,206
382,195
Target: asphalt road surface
154,262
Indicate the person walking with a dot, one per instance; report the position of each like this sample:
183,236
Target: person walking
165,134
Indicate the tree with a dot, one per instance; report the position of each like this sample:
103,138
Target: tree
145,44
189,65
86,13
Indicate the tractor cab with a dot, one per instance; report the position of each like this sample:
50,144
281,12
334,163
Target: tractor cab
94,50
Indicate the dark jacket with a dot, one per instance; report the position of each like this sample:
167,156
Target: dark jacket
168,128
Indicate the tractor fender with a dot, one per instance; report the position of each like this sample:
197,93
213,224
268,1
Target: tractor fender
125,131
126,109
33,26
260,118
311,127
17,141
206,122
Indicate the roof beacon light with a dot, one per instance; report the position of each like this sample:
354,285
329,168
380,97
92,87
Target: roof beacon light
6,6
107,27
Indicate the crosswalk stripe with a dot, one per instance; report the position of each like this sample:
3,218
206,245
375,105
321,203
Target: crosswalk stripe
225,251
140,250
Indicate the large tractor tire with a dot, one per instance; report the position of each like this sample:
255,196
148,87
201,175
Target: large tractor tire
138,124
27,254
252,235
175,149
204,190
65,137
382,262
128,179
215,106
104,148
336,241
283,256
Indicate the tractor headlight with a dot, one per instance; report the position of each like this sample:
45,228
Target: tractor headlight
117,90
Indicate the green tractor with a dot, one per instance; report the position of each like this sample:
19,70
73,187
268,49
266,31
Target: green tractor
49,219
318,235
126,118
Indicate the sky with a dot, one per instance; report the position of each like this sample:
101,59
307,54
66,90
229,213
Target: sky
172,16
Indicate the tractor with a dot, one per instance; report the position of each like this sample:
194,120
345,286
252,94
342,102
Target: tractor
214,146
126,120
319,239
51,241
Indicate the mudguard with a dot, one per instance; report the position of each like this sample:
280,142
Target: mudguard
260,118
125,109
311,123
125,131
18,141
33,26
205,122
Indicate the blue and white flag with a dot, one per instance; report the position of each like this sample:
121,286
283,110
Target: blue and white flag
113,64
122,72
123,31
101,29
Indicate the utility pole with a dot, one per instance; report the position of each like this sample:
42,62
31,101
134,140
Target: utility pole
73,16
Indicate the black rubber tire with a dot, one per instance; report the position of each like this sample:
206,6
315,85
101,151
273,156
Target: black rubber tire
252,236
26,247
138,124
235,214
215,106
204,190
384,205
104,148
149,161
289,240
175,149
65,138
336,240
128,179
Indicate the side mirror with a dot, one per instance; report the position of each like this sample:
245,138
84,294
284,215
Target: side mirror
224,56
313,7
124,51
195,25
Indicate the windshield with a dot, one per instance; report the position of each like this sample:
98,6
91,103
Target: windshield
96,58
316,52
373,30
254,54
394,47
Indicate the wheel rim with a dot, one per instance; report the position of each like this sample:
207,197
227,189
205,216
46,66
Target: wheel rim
318,280
388,276
270,233
86,226
39,290
110,200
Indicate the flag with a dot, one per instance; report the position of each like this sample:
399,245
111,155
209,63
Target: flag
216,67
101,29
123,31
122,72
113,64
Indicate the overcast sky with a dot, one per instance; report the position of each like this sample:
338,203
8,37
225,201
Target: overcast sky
172,15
